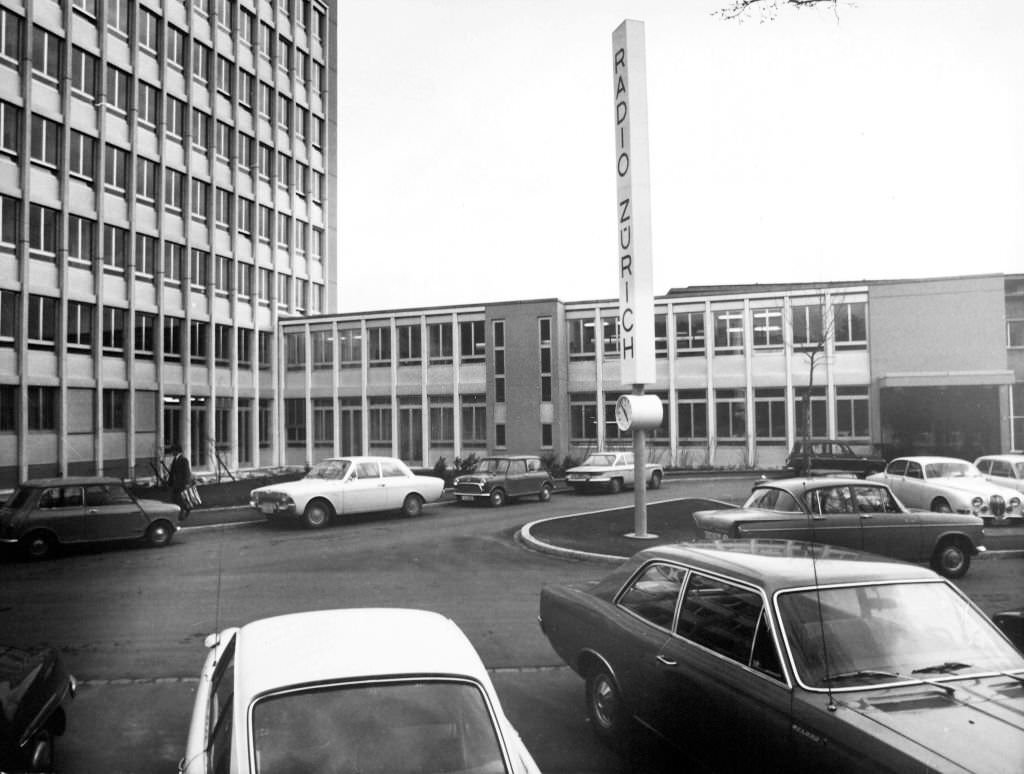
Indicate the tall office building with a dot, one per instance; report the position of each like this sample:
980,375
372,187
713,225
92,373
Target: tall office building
167,181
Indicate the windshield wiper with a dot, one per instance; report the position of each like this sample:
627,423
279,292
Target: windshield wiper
878,673
882,674
945,666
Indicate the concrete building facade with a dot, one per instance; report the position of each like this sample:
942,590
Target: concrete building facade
167,184
917,366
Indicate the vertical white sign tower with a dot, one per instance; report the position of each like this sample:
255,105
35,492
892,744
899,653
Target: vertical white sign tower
633,175
633,216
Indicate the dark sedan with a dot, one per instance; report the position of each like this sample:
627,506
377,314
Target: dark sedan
787,656
34,688
863,515
45,513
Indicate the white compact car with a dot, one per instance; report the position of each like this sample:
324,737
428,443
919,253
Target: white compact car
370,690
948,484
611,471
1003,469
339,486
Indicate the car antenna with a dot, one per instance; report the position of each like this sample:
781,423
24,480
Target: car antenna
816,503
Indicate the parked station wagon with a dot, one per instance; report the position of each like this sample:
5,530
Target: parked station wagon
45,513
786,656
849,512
500,479
826,457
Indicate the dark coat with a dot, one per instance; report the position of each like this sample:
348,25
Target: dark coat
181,473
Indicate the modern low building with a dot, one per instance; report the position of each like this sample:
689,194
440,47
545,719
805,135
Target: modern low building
167,187
932,365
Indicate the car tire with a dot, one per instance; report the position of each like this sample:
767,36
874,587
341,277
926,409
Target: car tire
941,505
40,751
159,534
545,493
656,480
317,515
37,546
412,506
497,498
605,710
615,485
951,559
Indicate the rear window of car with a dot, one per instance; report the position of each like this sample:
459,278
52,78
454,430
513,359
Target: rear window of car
653,593
391,469
771,499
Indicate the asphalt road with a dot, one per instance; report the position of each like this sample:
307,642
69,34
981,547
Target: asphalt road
131,621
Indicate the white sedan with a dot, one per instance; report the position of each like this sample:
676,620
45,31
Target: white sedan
949,485
345,485
371,690
1003,469
611,471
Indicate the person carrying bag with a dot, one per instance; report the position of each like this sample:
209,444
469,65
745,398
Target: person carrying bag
183,490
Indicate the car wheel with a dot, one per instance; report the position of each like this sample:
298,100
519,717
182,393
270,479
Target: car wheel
941,505
497,498
656,480
412,505
38,545
159,534
615,486
951,559
317,515
545,494
605,710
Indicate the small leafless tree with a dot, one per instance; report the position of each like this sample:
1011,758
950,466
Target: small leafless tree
816,351
766,10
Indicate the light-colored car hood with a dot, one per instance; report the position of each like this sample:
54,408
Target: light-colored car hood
974,485
989,727
301,486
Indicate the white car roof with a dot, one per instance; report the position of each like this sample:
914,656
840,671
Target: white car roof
324,645
925,460
1011,457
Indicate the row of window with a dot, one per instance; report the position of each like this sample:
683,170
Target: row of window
118,176
810,327
440,416
408,344
84,328
729,407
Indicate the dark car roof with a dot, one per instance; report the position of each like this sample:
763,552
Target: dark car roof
780,564
71,481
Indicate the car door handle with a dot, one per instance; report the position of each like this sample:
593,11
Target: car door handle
667,661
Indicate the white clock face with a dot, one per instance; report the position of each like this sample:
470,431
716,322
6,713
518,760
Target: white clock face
623,413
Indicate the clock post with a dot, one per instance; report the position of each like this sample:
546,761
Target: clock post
634,412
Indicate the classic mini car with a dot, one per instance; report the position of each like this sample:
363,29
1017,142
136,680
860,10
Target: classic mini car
341,486
824,457
500,479
949,485
786,656
44,513
373,690
611,471
35,686
1003,469
853,513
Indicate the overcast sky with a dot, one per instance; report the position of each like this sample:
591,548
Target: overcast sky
478,162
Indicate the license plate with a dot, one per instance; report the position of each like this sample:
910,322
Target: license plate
267,507
465,498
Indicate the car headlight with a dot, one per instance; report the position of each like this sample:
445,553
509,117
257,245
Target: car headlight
1014,505
977,505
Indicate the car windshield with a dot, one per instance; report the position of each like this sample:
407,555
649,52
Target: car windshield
329,469
399,727
1019,468
952,469
18,498
859,636
491,465
600,459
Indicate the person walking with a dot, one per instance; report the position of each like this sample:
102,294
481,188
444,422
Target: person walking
180,480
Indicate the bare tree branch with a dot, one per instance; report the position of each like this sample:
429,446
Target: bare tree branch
768,9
